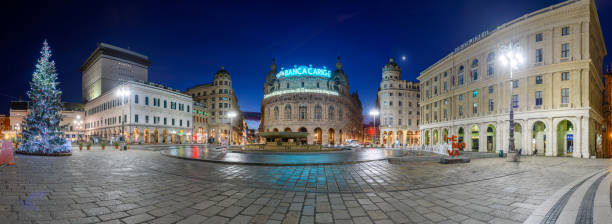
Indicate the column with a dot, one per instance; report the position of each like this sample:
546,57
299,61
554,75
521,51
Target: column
482,138
550,136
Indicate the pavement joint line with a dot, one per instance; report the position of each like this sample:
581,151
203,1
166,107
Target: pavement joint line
545,209
585,212
569,211
602,207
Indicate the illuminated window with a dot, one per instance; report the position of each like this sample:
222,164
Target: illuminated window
475,93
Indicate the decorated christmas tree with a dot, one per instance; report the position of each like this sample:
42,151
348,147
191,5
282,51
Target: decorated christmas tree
41,131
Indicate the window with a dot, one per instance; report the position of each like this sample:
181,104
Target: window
538,56
460,97
474,73
445,114
165,121
460,77
135,118
491,89
318,112
491,105
188,109
565,50
538,98
539,37
330,113
460,110
340,115
475,93
399,121
565,31
399,103
181,122
302,110
515,101
147,119
147,100
539,79
287,112
276,113
287,85
564,76
172,121
491,64
445,86
515,83
565,95
475,108
390,103
302,84
136,99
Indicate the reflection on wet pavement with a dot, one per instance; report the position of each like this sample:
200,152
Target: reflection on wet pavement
221,155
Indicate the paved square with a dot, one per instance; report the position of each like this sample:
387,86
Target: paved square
140,186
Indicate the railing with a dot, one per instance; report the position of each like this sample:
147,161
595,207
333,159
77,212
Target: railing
438,149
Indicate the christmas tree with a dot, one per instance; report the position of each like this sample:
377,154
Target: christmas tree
41,131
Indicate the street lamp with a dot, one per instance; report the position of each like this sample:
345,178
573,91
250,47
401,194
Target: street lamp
510,56
231,115
374,113
123,92
78,123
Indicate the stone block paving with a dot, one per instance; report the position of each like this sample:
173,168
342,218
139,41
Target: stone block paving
145,187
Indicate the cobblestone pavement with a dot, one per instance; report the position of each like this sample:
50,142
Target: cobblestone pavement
143,186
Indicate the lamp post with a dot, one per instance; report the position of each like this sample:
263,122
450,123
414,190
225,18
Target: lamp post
78,123
374,113
231,115
123,92
510,56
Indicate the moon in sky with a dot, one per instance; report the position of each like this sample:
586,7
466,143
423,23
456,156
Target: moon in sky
403,58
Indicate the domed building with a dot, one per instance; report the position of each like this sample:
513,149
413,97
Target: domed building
313,100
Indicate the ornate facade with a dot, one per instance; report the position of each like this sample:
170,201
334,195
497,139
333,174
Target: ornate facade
219,99
556,91
313,100
398,103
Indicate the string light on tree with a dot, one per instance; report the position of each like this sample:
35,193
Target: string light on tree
41,131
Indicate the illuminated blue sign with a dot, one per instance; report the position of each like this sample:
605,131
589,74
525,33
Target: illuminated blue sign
304,70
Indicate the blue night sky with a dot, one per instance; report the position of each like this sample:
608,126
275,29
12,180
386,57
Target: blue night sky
189,41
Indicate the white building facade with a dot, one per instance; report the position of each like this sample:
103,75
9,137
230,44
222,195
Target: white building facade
556,92
149,114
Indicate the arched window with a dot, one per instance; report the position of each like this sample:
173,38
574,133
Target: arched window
474,70
287,112
318,112
340,114
276,113
460,77
491,64
302,111
330,113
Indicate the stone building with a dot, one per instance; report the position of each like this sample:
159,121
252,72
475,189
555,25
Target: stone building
398,103
557,90
220,100
149,114
109,66
200,122
606,150
313,100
